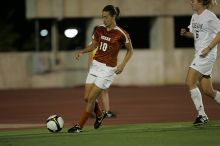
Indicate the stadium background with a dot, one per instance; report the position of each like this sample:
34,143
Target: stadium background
162,62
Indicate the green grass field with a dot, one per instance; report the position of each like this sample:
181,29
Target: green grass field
160,134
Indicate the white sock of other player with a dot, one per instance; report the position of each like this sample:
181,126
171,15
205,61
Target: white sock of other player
197,100
217,97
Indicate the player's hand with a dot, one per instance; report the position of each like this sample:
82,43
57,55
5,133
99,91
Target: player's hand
78,54
205,52
183,31
119,69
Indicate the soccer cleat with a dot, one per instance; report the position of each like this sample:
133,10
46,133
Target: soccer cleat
75,129
98,121
201,120
110,114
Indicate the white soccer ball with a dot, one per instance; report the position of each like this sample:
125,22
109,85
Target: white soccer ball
55,123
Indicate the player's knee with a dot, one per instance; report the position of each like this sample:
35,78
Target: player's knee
187,83
209,92
190,85
91,99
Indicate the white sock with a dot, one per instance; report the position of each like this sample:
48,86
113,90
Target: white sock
217,97
197,100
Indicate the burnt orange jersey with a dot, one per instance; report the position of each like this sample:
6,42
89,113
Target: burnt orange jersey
110,42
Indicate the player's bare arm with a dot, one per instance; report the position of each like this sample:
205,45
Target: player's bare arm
185,33
92,46
215,41
128,55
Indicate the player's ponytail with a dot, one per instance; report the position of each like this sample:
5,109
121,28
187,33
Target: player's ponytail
113,11
117,12
213,3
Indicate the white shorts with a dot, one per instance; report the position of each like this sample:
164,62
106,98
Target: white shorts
100,75
203,65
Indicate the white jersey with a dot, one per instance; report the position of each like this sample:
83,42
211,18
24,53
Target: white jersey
204,28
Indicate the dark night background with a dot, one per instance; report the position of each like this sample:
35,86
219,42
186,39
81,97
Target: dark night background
18,34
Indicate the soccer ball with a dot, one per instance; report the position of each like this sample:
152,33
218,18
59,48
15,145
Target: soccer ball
55,123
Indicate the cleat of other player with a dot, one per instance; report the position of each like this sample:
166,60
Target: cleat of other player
201,120
110,114
98,121
75,129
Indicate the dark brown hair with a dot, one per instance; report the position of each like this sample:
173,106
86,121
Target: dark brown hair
113,11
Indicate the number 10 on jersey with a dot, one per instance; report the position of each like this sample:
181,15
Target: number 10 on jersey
103,46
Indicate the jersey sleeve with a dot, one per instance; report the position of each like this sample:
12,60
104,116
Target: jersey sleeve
190,25
214,24
127,38
95,34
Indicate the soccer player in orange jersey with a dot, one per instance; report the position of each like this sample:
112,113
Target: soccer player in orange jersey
109,39
104,96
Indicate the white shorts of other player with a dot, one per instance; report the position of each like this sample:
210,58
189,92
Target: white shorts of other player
203,65
100,75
